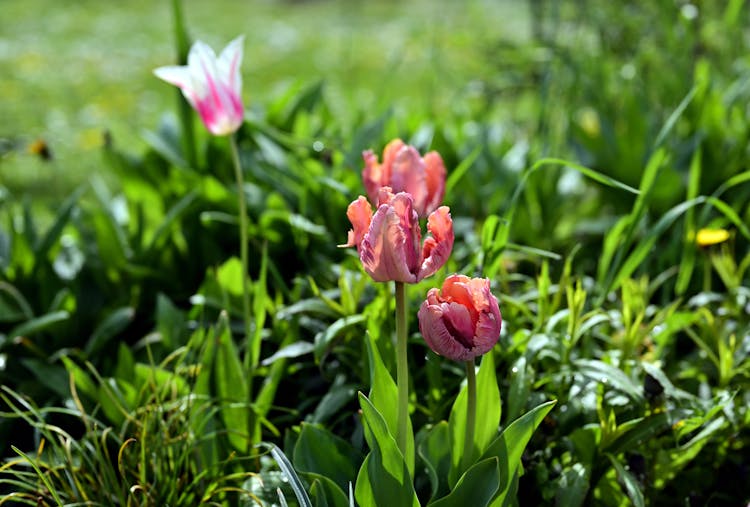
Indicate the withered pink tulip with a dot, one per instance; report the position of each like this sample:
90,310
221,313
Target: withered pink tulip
462,320
389,241
213,86
404,170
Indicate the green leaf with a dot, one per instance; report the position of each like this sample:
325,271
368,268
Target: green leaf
38,324
113,324
324,340
476,487
325,492
172,216
229,275
82,380
632,488
288,470
296,349
231,387
319,451
487,417
61,219
384,477
383,392
600,371
435,451
574,486
460,170
520,387
170,321
509,446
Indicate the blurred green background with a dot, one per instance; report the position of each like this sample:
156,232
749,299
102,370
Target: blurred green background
75,70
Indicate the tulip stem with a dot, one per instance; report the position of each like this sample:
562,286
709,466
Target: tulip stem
242,205
471,414
402,368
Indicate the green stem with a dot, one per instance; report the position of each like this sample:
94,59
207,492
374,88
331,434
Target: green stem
402,367
471,414
242,205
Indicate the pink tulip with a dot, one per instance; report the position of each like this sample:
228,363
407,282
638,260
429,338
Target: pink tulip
404,170
213,86
462,321
388,242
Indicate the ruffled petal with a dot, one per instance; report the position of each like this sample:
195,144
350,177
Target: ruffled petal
408,175
488,330
390,152
436,334
458,321
372,175
359,213
384,248
437,247
434,180
458,288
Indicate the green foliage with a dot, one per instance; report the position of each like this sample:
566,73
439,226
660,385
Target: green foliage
580,174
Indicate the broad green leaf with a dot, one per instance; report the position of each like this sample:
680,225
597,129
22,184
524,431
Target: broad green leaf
476,487
231,387
632,488
321,452
519,389
600,371
38,324
229,275
61,219
172,216
53,376
325,492
636,434
509,446
384,477
487,418
574,486
170,321
323,340
296,349
435,451
113,324
82,380
383,393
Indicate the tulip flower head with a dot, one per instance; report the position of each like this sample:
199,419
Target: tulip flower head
404,170
389,242
213,86
462,320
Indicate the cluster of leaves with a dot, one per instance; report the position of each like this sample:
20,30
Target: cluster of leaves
118,314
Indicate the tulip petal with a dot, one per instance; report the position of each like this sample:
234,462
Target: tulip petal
458,288
175,74
487,331
385,250
359,213
438,337
212,86
437,248
229,64
390,152
372,175
408,175
435,181
459,322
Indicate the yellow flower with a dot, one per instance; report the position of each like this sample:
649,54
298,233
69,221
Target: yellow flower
708,237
